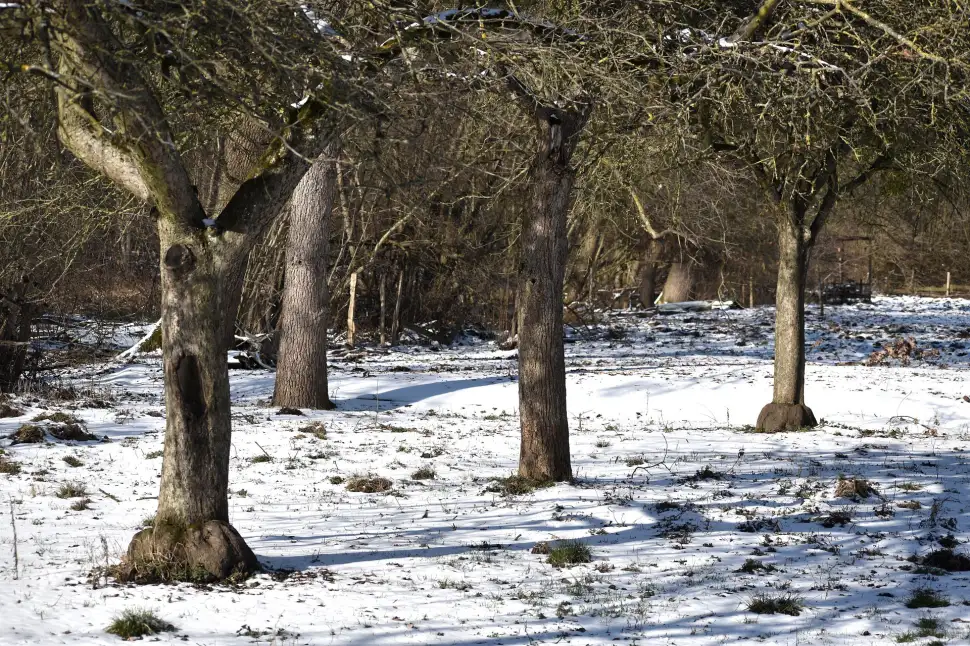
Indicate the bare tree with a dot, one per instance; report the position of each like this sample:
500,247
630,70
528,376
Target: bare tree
813,105
116,74
544,450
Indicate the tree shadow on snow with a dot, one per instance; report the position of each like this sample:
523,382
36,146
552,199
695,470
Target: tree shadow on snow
405,396
661,531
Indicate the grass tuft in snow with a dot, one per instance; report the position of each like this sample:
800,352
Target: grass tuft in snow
58,417
516,485
368,484
424,473
72,461
6,410
927,598
768,604
132,624
925,627
9,467
947,560
262,457
29,434
752,566
569,553
72,490
855,488
316,429
702,475
840,517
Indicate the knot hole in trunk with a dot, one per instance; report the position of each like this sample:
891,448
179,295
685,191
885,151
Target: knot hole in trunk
190,387
179,259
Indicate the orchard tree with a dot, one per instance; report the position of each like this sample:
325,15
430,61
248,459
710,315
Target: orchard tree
557,64
135,87
814,98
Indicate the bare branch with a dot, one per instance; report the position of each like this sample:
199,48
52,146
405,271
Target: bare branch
756,22
97,151
85,46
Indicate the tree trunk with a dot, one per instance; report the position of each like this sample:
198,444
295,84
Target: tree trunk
301,374
351,306
680,280
396,317
218,174
787,410
382,327
192,531
15,318
191,538
648,273
544,451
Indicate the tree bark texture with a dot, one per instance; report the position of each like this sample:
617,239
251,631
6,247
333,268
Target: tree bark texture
301,375
396,316
195,468
382,326
544,449
351,305
679,283
787,411
218,173
790,317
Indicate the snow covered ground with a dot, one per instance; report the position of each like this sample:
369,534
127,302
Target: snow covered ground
690,517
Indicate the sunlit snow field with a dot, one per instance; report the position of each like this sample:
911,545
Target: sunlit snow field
673,494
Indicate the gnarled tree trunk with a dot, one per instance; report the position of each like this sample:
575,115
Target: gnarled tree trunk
192,530
544,449
200,257
301,374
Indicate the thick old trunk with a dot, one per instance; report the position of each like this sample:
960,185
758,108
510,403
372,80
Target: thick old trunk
192,534
787,410
301,375
200,256
544,451
680,281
